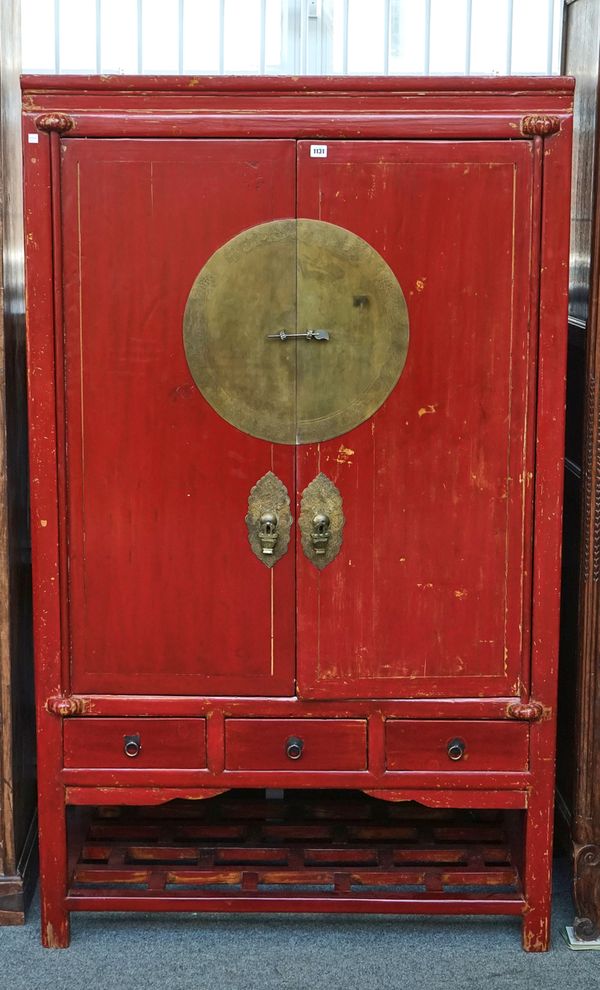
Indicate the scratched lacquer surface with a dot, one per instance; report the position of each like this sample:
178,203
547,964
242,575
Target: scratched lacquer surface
165,593
428,594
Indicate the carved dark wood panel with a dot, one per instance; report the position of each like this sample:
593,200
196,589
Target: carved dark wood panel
579,762
17,789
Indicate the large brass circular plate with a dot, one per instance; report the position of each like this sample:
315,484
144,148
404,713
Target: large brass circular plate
296,276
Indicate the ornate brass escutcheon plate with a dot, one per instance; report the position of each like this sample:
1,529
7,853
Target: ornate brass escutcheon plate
269,519
296,331
321,521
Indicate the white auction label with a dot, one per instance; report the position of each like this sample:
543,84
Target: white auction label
318,151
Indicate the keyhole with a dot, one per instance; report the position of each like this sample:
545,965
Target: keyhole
268,524
321,524
267,532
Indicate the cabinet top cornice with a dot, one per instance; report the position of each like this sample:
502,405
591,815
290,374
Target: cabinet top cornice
328,107
300,85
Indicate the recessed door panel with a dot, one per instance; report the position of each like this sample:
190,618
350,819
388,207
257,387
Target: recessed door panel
166,593
425,596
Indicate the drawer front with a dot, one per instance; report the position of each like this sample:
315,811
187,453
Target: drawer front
152,743
295,744
441,745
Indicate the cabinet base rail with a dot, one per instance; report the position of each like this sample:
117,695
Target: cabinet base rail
434,904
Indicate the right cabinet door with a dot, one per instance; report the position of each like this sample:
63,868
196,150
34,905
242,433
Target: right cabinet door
428,595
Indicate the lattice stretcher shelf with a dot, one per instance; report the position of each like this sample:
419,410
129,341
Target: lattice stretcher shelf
334,851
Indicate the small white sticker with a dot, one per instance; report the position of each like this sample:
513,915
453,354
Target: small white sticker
33,138
318,151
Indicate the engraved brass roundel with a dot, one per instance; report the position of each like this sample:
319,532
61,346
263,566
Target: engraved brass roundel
296,331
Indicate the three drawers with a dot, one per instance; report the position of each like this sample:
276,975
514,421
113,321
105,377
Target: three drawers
297,744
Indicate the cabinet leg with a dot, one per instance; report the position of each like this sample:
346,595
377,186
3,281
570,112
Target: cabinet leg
53,870
537,872
56,928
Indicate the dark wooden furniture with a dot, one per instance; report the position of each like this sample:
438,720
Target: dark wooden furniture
579,712
17,745
296,359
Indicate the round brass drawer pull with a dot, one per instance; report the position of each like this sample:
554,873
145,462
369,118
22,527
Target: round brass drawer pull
132,745
456,749
293,748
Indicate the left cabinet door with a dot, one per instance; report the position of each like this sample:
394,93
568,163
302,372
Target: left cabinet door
165,593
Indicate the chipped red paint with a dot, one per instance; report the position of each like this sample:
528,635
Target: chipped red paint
110,644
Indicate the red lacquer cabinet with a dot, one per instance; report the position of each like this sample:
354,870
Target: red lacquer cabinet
296,362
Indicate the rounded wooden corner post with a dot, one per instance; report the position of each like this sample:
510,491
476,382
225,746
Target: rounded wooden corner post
553,156
42,177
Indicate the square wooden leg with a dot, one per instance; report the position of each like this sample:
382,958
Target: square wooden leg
537,872
53,866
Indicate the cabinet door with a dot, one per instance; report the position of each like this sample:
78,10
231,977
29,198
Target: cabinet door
428,595
165,594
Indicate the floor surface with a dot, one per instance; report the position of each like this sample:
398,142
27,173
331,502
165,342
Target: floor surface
277,952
